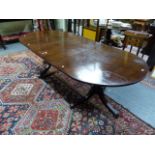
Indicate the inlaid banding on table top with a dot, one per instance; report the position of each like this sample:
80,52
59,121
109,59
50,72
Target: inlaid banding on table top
86,61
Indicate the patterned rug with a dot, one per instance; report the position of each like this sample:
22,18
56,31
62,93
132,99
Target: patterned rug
25,107
29,105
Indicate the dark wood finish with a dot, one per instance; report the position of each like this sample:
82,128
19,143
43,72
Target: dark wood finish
87,61
98,90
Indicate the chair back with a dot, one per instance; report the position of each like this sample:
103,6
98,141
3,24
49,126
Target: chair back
135,38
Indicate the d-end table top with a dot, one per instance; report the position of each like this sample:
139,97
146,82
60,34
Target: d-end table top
85,60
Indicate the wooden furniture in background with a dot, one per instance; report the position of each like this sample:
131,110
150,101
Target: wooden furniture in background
140,24
135,38
87,61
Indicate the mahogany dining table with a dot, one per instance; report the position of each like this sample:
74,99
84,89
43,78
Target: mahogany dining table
87,61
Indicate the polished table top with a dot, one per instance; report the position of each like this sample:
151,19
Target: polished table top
85,60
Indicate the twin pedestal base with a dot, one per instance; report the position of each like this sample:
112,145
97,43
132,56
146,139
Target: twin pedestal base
98,90
95,90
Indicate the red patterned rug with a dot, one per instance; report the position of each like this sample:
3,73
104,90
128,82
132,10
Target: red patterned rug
25,107
29,105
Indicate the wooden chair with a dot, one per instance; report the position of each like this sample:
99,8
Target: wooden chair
135,38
